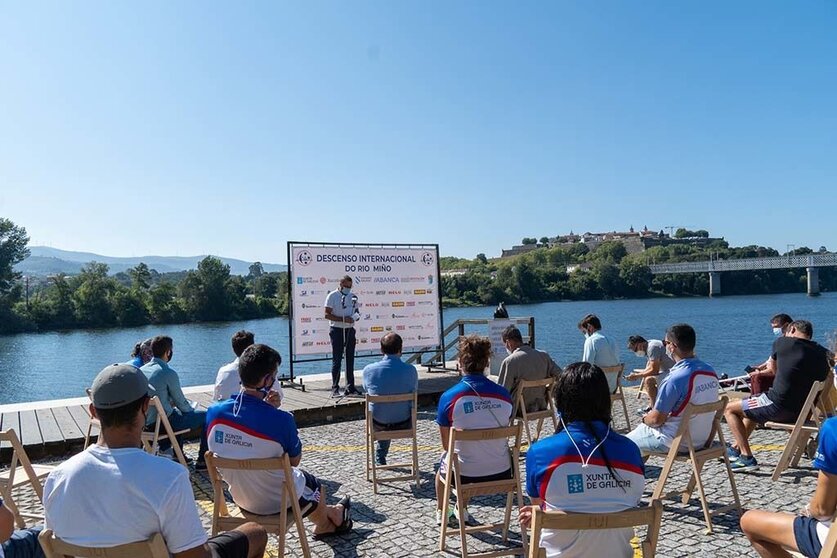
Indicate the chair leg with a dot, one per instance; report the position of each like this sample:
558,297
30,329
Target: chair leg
523,532
661,482
283,522
696,467
690,487
507,519
463,543
800,449
784,459
443,532
625,410
178,451
21,524
87,435
367,453
415,460
538,430
374,466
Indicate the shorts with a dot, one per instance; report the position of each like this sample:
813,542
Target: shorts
805,533
505,475
760,409
23,544
310,497
231,544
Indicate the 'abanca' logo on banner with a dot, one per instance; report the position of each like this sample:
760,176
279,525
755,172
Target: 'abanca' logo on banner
304,257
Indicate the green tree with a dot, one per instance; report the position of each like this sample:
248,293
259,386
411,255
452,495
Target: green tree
140,277
13,250
544,240
206,291
92,297
636,278
527,240
256,270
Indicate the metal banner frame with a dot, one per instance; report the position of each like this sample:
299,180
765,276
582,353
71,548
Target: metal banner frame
291,379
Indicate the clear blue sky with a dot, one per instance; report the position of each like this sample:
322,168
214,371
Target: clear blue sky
181,128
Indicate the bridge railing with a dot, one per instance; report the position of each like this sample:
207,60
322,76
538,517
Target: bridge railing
747,264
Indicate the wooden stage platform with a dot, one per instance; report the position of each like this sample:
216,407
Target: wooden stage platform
55,428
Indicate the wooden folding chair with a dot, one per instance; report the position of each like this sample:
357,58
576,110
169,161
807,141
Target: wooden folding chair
510,487
155,547
16,476
696,457
373,436
523,416
807,424
649,516
618,395
223,520
92,422
151,440
640,390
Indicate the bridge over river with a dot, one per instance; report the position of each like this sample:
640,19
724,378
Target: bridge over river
811,262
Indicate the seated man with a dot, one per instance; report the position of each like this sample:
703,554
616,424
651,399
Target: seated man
474,403
166,383
762,375
772,532
799,363
527,364
114,493
690,380
227,383
586,447
390,376
250,426
21,543
657,367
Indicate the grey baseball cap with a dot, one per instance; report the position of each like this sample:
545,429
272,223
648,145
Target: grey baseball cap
117,385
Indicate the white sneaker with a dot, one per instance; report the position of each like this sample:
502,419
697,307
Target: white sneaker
469,519
440,515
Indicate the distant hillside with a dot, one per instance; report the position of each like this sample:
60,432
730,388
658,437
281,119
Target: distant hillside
50,261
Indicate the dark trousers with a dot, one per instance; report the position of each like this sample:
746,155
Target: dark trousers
382,449
342,341
182,421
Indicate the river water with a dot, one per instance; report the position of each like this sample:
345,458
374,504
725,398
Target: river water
732,332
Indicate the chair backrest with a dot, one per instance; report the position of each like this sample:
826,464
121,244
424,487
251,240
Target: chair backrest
827,401
155,547
411,397
617,369
691,411
482,435
215,464
519,395
649,516
18,456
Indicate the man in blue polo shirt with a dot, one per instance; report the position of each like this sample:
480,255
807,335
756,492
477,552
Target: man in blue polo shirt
390,376
251,426
690,380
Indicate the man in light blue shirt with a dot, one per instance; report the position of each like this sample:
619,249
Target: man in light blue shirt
166,383
599,349
390,376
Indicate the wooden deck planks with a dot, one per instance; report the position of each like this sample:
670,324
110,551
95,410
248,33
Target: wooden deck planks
10,421
60,426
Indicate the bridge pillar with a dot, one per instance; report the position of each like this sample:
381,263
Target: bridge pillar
813,281
714,283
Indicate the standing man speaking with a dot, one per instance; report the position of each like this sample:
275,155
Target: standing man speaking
341,310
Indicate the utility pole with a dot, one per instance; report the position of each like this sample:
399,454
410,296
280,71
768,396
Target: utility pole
26,283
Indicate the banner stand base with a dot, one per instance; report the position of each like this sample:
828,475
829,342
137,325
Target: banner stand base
295,383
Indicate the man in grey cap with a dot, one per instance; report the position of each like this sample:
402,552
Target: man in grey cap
114,493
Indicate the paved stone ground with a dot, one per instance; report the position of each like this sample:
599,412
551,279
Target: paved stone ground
399,521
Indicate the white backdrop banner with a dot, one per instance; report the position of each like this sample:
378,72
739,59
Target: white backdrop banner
397,290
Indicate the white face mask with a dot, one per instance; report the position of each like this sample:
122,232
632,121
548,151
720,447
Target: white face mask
777,331
640,354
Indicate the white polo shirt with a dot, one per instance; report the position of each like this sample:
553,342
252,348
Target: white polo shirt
341,306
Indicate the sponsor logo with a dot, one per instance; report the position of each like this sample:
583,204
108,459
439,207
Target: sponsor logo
425,302
299,281
411,303
419,291
363,339
305,320
381,316
219,437
323,280
469,408
376,328
397,304
575,484
379,293
364,329
429,291
385,280
303,293
308,344
394,292
422,337
389,328
400,328
322,343
416,327
429,279
396,316
305,332
303,280
371,304
428,258
375,340
231,439
304,257
320,319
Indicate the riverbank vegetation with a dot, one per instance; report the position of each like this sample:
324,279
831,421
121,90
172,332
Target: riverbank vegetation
94,298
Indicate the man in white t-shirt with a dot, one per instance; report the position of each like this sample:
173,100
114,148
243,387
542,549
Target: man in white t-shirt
227,382
656,367
599,349
341,310
690,380
114,493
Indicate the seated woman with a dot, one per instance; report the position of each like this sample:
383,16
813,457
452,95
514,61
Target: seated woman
771,532
474,403
586,467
